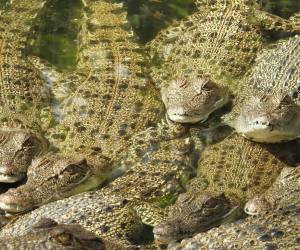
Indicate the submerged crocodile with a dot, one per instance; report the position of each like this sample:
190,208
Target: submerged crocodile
23,98
198,60
99,106
48,234
284,192
267,109
229,173
275,230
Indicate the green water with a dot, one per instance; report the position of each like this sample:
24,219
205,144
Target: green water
147,17
57,33
56,37
283,8
2,2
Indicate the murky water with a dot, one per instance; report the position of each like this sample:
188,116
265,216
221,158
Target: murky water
283,8
57,33
55,40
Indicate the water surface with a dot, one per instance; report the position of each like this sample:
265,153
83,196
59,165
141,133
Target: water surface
56,39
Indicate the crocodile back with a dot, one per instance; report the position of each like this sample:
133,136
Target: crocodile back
219,40
22,92
108,98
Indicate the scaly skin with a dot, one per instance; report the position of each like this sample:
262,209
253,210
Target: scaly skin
193,212
267,109
238,167
99,106
167,167
275,230
284,192
17,149
198,60
229,173
49,179
22,93
47,234
107,100
161,162
107,217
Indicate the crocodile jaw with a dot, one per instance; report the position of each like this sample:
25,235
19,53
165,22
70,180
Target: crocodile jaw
8,178
12,208
265,132
265,135
185,118
181,116
16,203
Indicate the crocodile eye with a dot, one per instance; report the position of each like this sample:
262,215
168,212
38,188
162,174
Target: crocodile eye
211,202
286,100
208,85
64,238
73,169
285,103
28,142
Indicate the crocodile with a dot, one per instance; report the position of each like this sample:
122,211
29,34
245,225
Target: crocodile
267,108
157,164
98,108
109,218
161,163
163,160
200,61
284,192
23,98
48,234
151,160
275,230
49,179
230,172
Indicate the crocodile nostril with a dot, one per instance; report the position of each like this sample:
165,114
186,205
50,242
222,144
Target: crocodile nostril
264,123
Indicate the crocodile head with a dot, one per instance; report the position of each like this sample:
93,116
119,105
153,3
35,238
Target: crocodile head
257,205
192,100
67,235
283,193
50,177
270,118
48,232
193,212
17,149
